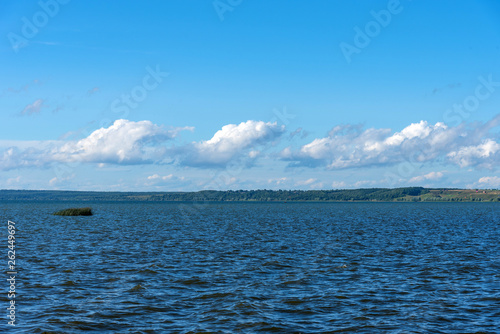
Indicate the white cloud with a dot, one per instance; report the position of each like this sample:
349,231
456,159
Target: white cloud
33,108
158,180
279,181
124,142
13,157
230,142
350,146
127,142
415,130
489,182
366,183
238,146
339,185
158,177
486,154
432,176
305,182
253,154
165,178
13,180
56,180
311,183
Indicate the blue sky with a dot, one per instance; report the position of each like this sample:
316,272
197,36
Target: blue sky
230,94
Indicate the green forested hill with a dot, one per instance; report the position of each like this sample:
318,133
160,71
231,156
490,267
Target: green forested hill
372,194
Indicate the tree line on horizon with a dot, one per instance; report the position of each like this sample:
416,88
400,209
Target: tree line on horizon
368,194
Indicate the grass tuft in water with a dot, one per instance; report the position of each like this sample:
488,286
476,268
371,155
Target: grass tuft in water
75,212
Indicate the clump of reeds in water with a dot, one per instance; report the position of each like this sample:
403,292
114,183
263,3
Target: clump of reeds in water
75,212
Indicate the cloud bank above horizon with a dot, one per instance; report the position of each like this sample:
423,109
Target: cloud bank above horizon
252,144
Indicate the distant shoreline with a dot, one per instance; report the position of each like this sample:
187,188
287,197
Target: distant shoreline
407,194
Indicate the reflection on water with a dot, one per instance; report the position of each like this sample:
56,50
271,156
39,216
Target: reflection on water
258,267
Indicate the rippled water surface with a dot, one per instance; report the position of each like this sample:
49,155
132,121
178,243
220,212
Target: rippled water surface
256,268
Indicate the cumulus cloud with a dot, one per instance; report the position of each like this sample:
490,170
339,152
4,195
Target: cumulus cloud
432,176
349,146
311,183
306,182
366,183
486,154
279,181
155,177
232,141
157,180
13,180
13,158
124,142
489,182
339,185
61,180
33,108
253,154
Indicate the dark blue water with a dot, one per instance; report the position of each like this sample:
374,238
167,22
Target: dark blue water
256,268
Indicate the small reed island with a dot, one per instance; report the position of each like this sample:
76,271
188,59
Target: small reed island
75,212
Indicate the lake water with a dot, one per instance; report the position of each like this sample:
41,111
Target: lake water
142,267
